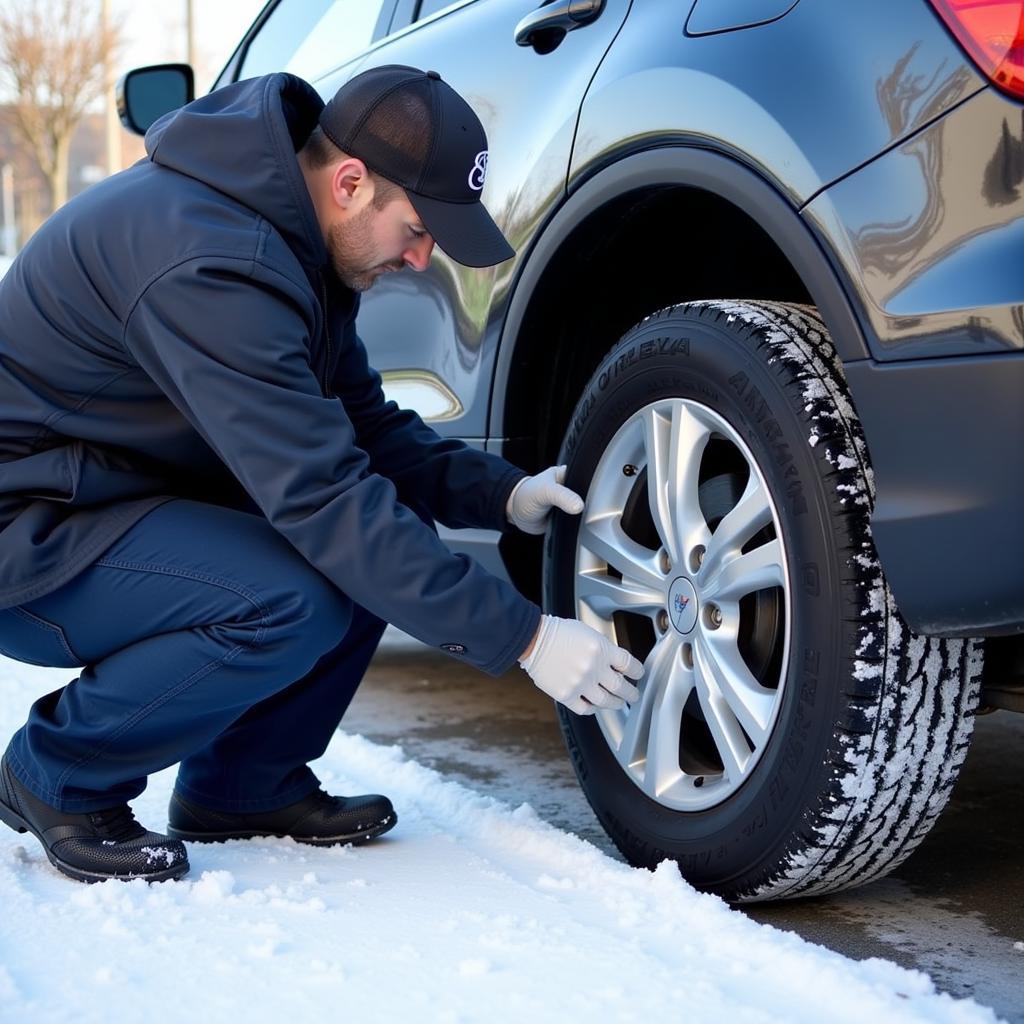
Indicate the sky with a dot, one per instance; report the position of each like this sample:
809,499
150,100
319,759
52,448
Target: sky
155,33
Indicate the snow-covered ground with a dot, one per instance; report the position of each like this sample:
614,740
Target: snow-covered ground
468,910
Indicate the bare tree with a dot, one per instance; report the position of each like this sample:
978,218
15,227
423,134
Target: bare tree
52,55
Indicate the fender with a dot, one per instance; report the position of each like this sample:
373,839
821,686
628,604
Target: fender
696,168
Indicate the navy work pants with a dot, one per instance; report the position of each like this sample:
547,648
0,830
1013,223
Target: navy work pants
204,638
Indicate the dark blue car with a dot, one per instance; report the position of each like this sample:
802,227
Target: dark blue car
767,305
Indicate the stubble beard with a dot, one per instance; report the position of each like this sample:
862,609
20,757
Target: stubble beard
352,253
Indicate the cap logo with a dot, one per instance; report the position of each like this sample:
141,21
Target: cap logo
479,172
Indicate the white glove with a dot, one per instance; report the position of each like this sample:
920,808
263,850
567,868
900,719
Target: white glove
532,499
581,668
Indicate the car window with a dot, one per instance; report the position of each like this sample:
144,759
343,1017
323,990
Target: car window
311,37
429,7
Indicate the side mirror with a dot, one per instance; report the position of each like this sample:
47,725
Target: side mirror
146,94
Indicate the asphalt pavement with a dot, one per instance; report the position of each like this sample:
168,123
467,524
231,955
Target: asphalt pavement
954,909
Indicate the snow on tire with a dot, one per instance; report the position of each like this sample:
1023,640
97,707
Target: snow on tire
793,737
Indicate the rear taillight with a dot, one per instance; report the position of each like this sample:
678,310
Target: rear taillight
992,32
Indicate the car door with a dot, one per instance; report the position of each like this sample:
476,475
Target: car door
434,335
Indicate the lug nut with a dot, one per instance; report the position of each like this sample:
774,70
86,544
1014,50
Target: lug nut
666,562
663,620
713,616
697,558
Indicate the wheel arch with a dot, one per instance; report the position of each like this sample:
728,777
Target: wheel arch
556,273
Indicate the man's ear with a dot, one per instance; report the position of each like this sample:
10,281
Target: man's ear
351,187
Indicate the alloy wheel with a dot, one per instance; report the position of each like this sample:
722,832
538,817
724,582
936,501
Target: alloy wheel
680,558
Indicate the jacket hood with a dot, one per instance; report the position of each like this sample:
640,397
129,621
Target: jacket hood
242,140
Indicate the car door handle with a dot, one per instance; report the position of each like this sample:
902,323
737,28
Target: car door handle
555,16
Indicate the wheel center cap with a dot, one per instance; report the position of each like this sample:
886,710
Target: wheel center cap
682,604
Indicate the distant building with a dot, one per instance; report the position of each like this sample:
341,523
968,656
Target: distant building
87,165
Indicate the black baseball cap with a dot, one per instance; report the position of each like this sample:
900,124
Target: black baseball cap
414,129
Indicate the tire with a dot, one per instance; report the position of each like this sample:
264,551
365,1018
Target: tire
792,737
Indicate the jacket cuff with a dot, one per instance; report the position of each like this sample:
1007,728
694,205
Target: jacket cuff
518,643
506,484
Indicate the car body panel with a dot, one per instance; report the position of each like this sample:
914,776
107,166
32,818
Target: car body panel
798,122
445,321
933,232
949,477
710,16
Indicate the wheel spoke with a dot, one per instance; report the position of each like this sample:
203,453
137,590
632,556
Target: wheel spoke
726,733
722,722
606,594
752,513
744,574
661,767
723,668
674,446
604,537
633,747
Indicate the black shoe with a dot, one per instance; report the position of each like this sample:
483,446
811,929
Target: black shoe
318,819
93,846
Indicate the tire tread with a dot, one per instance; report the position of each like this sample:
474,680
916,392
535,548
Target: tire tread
894,777
904,727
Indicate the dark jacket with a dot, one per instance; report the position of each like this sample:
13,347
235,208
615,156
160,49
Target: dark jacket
177,330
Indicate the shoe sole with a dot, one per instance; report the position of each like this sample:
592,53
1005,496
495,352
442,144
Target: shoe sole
355,838
14,820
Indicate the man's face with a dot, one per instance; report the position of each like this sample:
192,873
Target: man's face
371,241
